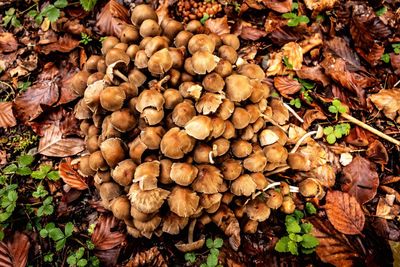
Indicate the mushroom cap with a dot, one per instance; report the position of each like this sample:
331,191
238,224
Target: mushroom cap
238,87
182,38
253,71
231,40
147,201
310,187
112,98
147,228
209,103
136,149
209,200
209,179
183,201
141,216
260,180
183,173
109,43
123,172
151,136
152,116
116,54
267,137
129,34
142,12
226,109
92,94
228,53
149,28
92,143
79,82
219,127
276,153
203,62
199,127
150,98
223,68
113,151
231,169
256,162
257,210
120,207
260,91
241,148
141,60
147,172
123,120
160,62
183,112
84,167
97,162
172,98
298,161
155,44
213,82
109,191
136,77
171,28
176,143
240,118
91,63
165,170
191,246
243,186
173,224
201,42
274,199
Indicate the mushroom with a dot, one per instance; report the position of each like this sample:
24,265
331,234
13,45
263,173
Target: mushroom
84,167
275,153
165,171
141,216
109,191
252,71
142,12
256,162
183,173
225,219
199,127
176,143
79,82
173,224
243,186
149,28
311,187
209,103
238,87
112,98
123,120
201,42
120,207
183,201
190,246
136,149
211,202
123,172
257,210
147,201
213,82
151,136
203,62
274,199
288,205
113,151
231,40
231,169
147,228
209,179
160,62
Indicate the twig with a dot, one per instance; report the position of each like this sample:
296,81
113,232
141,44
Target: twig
397,83
371,129
293,112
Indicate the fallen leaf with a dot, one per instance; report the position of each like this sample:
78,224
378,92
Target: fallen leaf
387,100
294,55
334,247
357,137
360,179
286,85
315,74
320,5
373,55
70,176
67,94
112,19
7,118
14,252
109,257
340,48
310,116
218,26
53,143
8,42
150,257
103,238
63,44
225,219
28,105
377,152
281,6
248,32
344,212
395,62
395,247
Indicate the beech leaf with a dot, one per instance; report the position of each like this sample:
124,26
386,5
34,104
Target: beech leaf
7,118
286,85
344,212
278,6
103,238
112,19
218,26
14,252
70,176
387,100
361,179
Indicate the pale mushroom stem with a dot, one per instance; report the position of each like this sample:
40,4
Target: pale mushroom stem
121,75
369,128
293,112
301,140
191,231
210,157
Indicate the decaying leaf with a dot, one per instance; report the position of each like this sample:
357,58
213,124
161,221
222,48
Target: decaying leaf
281,6
377,152
103,237
14,252
112,18
293,54
275,64
70,176
225,219
248,32
387,100
334,247
344,212
63,44
218,26
7,118
8,42
315,74
360,179
151,257
320,5
286,85
311,115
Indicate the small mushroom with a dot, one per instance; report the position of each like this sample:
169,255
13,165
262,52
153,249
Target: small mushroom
256,162
203,62
209,179
120,207
113,151
276,153
213,82
176,143
147,201
243,186
183,201
112,98
142,12
149,28
173,224
123,120
191,246
253,71
199,127
147,228
160,62
274,199
238,87
257,210
200,42
109,191
123,172
231,169
79,82
288,206
183,173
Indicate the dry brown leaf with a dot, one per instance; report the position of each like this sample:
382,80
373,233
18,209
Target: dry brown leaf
340,48
64,44
334,247
112,18
44,92
344,212
14,252
286,85
53,143
218,26
395,62
67,94
225,219
275,64
315,74
7,118
357,137
294,54
8,42
360,179
150,257
377,152
247,31
387,100
311,115
373,55
103,238
70,176
320,5
281,6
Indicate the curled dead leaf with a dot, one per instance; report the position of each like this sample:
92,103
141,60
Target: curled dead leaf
377,153
112,18
294,54
7,118
311,115
14,252
70,176
249,32
360,179
281,6
286,85
218,26
315,74
387,100
8,42
344,212
63,44
275,65
103,238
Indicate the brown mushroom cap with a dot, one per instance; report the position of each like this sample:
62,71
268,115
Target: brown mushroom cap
260,91
228,53
256,162
209,103
123,120
136,77
147,201
147,228
203,62
155,44
109,43
223,68
231,169
113,151
243,186
120,207
199,127
213,82
141,59
151,136
183,173
276,153
183,201
97,162
172,98
274,199
160,62
260,180
171,28
123,172
145,169
211,201
209,179
298,161
201,42
79,82
183,113
238,87
231,40
182,39
129,34
288,205
91,63
84,167
253,71
151,98
241,148
149,28
176,143
141,216
191,246
240,118
257,210
173,224
142,12
112,98
115,55
165,170
310,187
109,191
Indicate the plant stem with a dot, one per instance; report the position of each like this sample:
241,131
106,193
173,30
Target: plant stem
371,129
293,112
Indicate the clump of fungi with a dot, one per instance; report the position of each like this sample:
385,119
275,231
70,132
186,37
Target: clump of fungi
179,132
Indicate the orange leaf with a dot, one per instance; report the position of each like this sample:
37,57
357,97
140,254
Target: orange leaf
8,42
286,85
103,238
14,253
344,212
71,177
112,19
7,118
218,26
333,248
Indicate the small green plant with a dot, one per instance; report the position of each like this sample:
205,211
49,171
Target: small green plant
381,11
88,5
287,63
310,209
212,257
56,234
21,167
48,257
204,18
40,192
8,196
45,171
306,87
295,102
294,20
385,58
23,86
237,6
295,6
396,48
47,208
299,237
337,132
337,107
51,12
77,259
11,18
85,39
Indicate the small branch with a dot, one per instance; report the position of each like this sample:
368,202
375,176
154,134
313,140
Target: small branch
371,129
293,112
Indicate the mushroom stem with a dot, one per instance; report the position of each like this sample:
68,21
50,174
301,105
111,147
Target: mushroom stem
371,129
292,189
191,230
272,122
210,157
300,141
293,112
278,170
121,75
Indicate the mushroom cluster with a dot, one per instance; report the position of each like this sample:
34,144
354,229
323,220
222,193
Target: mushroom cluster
179,131
192,9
